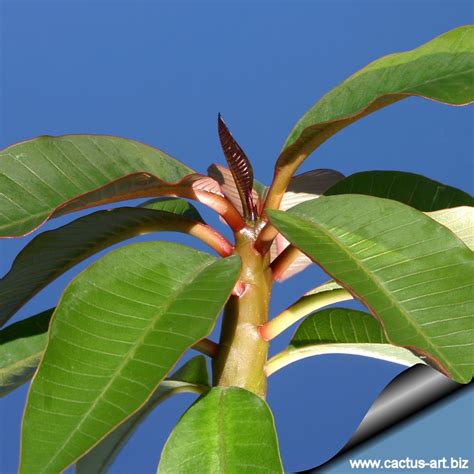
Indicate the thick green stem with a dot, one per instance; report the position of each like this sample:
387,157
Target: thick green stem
242,351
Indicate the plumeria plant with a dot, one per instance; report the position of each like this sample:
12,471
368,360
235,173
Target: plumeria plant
399,243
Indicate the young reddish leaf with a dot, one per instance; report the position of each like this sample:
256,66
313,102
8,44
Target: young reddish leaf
240,168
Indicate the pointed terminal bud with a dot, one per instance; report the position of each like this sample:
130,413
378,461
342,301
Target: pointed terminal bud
240,168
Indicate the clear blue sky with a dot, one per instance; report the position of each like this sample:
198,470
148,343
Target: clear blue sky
160,72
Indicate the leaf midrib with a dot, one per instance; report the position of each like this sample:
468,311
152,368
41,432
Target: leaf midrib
173,297
220,427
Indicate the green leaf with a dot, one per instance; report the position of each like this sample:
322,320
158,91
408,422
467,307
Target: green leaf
192,377
21,347
37,176
177,206
340,331
194,371
459,220
439,70
226,430
338,325
415,190
412,272
120,327
54,252
329,328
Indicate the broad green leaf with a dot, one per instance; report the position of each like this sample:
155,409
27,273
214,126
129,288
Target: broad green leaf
340,331
439,70
180,207
192,377
415,190
412,272
21,347
52,253
120,327
226,430
459,220
38,176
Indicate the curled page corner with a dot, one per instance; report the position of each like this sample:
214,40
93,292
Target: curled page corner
407,394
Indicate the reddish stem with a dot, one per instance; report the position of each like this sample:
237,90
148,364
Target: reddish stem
265,238
219,204
211,237
283,262
207,347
